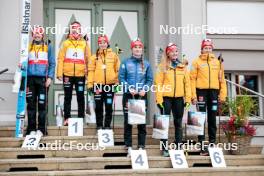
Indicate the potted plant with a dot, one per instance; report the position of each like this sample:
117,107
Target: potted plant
237,128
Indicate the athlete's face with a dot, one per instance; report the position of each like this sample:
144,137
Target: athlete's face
103,44
207,50
137,51
173,55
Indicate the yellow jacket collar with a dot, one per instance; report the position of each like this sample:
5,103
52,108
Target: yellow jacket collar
100,52
207,56
180,65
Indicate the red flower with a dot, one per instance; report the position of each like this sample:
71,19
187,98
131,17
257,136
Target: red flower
231,121
250,130
238,126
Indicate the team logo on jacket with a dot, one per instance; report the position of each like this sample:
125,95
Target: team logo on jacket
201,98
66,79
203,65
98,91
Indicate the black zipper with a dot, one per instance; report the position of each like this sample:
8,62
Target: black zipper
75,46
74,69
174,82
209,71
105,70
136,73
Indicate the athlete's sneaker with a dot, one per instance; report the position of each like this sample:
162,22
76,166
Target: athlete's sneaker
204,152
165,153
39,133
99,128
129,151
65,122
141,147
33,133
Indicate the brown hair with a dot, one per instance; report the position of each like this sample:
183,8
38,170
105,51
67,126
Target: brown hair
165,62
34,42
97,53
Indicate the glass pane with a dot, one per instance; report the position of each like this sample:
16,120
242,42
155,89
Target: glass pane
248,81
121,27
229,86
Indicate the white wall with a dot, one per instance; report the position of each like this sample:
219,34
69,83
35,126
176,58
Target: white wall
9,51
10,29
9,43
247,17
193,13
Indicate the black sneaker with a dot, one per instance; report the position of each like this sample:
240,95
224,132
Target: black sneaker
165,153
141,147
99,128
65,123
204,152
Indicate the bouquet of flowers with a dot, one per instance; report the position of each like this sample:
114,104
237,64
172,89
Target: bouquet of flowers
237,126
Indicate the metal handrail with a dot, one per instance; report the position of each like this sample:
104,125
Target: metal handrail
245,88
3,71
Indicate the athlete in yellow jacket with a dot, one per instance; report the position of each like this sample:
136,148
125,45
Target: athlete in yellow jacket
102,77
103,68
208,87
173,90
73,58
173,82
72,68
202,78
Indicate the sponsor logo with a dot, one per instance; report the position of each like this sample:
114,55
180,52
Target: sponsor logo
26,17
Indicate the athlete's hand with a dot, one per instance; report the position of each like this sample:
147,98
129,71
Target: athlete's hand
194,101
48,82
142,93
59,78
133,92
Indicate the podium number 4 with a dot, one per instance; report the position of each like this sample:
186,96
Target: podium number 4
139,159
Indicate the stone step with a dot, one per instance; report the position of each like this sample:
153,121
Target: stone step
118,151
87,130
95,163
205,171
51,140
